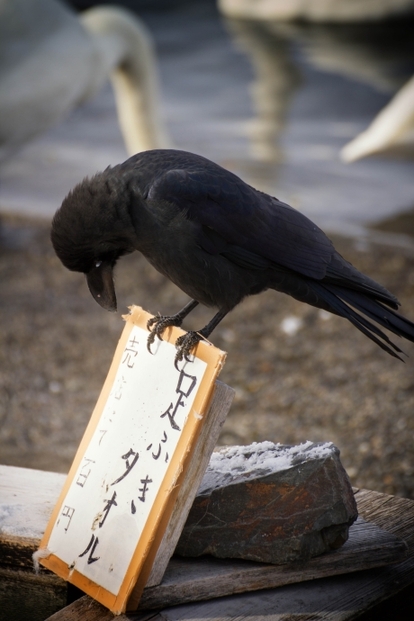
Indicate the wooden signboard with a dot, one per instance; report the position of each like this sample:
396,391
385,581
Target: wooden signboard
120,491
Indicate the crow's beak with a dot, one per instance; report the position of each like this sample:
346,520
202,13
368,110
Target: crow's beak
101,285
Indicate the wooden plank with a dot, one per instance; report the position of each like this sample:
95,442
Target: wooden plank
189,580
27,500
341,598
396,515
335,598
26,595
390,512
86,609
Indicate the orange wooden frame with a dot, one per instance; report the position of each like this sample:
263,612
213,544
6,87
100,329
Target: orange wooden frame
147,545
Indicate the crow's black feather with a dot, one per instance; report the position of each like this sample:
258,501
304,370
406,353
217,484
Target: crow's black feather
215,237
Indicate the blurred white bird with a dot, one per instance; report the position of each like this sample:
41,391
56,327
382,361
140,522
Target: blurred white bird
392,130
51,60
315,10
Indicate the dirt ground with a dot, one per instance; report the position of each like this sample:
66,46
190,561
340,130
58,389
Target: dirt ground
321,380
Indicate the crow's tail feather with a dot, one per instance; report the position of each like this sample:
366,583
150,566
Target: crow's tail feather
359,309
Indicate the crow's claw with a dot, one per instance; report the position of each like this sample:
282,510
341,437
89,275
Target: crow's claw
157,325
184,344
150,340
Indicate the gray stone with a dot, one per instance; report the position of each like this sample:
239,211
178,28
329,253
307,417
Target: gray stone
270,503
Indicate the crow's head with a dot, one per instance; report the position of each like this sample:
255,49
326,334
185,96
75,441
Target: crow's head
91,230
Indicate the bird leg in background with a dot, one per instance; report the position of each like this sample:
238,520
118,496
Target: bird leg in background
185,343
158,324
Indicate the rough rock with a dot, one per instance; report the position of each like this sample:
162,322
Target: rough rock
270,503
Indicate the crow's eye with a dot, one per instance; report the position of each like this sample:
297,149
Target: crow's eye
98,263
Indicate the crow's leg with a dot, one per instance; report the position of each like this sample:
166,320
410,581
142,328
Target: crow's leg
158,324
185,343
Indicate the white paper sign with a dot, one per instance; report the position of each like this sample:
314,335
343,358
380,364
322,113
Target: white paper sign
128,464
122,471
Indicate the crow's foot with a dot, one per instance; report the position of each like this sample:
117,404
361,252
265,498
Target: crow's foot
184,344
158,324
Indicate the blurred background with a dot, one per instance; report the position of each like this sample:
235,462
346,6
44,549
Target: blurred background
312,102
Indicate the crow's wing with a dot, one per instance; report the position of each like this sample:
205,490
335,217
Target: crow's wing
253,226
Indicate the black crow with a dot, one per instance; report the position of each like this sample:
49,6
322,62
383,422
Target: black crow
215,237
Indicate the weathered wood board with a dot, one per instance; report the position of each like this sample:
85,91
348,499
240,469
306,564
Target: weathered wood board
33,493
189,580
334,598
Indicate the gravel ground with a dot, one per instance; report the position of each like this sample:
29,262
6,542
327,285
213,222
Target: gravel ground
299,374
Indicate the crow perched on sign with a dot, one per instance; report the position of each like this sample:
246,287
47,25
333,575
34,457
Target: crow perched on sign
216,238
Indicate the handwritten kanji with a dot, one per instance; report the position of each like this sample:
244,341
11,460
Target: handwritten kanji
84,472
128,465
102,432
109,503
145,482
118,388
185,386
67,512
158,451
91,547
131,351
